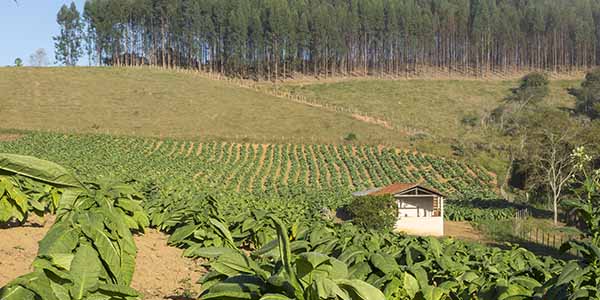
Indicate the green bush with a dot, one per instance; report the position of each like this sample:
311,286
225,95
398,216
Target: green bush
350,137
374,212
588,96
533,88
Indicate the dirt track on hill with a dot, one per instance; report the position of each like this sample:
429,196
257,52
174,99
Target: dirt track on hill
161,271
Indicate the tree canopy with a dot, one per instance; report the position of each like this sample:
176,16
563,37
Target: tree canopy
588,96
68,42
276,38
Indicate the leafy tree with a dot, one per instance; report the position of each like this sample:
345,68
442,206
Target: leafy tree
588,96
532,89
375,212
552,138
18,62
68,43
39,58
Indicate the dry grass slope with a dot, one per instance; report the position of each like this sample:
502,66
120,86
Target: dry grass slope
151,102
435,107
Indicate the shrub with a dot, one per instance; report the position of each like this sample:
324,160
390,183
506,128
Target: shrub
350,137
588,96
533,88
470,119
374,212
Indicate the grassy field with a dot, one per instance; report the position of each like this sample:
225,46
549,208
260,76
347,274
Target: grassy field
163,103
433,107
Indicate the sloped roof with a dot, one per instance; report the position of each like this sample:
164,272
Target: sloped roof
395,188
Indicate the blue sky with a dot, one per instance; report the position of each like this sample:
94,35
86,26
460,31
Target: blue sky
27,26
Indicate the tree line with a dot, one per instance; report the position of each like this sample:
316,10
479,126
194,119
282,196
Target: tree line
275,39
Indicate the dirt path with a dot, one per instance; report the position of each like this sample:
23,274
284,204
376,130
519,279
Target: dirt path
182,148
263,157
156,148
308,170
299,168
190,150
161,271
316,171
174,149
199,151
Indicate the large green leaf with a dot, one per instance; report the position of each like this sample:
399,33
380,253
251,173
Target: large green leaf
118,290
182,233
208,252
275,297
6,210
360,290
38,283
16,292
432,292
570,272
410,284
238,287
223,231
286,255
108,250
328,289
38,169
61,239
85,270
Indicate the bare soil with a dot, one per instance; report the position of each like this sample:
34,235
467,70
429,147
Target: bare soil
161,271
18,248
9,137
463,231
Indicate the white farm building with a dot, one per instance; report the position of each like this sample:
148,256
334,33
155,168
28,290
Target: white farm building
420,209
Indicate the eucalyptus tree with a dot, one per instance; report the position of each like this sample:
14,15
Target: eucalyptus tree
68,42
276,38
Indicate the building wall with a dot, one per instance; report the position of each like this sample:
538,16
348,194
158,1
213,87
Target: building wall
432,226
415,206
415,216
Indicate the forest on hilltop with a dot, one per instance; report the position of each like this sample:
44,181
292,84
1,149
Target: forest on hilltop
272,39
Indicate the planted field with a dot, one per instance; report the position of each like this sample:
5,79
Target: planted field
279,168
261,249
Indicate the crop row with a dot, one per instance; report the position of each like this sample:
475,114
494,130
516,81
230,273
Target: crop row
257,167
